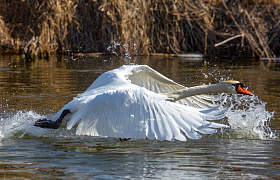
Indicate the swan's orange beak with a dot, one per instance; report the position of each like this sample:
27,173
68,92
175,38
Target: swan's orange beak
242,90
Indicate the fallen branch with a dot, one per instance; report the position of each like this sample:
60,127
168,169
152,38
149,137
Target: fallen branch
229,39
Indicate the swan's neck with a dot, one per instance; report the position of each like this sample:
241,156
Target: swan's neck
196,90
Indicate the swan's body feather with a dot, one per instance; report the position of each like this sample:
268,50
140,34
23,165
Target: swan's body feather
127,103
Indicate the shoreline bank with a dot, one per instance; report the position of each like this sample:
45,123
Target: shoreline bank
216,28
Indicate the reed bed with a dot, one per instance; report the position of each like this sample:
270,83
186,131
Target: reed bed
141,27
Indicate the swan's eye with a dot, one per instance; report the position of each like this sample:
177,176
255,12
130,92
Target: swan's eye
238,85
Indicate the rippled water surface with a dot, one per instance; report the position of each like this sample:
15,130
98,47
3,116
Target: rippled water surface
36,89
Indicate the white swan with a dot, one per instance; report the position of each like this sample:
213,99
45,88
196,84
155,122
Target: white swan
135,101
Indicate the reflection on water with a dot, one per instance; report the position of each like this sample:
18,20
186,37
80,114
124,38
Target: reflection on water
32,90
110,159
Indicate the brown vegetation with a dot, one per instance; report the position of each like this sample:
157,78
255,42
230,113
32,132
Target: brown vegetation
141,27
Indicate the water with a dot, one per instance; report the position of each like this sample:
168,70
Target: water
32,90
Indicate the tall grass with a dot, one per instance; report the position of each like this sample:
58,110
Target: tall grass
142,27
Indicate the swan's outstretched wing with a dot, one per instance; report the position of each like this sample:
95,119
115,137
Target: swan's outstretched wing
144,76
139,113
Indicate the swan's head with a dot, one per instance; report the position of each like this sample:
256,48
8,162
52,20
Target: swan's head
235,87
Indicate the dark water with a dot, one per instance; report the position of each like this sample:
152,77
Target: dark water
31,90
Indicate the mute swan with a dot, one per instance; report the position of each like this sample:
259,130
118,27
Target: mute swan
135,101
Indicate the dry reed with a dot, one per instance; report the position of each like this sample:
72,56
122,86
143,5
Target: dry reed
142,27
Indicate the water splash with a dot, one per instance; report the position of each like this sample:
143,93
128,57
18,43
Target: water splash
19,124
217,74
126,55
114,47
249,119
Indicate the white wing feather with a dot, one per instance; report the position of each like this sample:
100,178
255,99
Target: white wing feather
126,103
150,79
139,113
